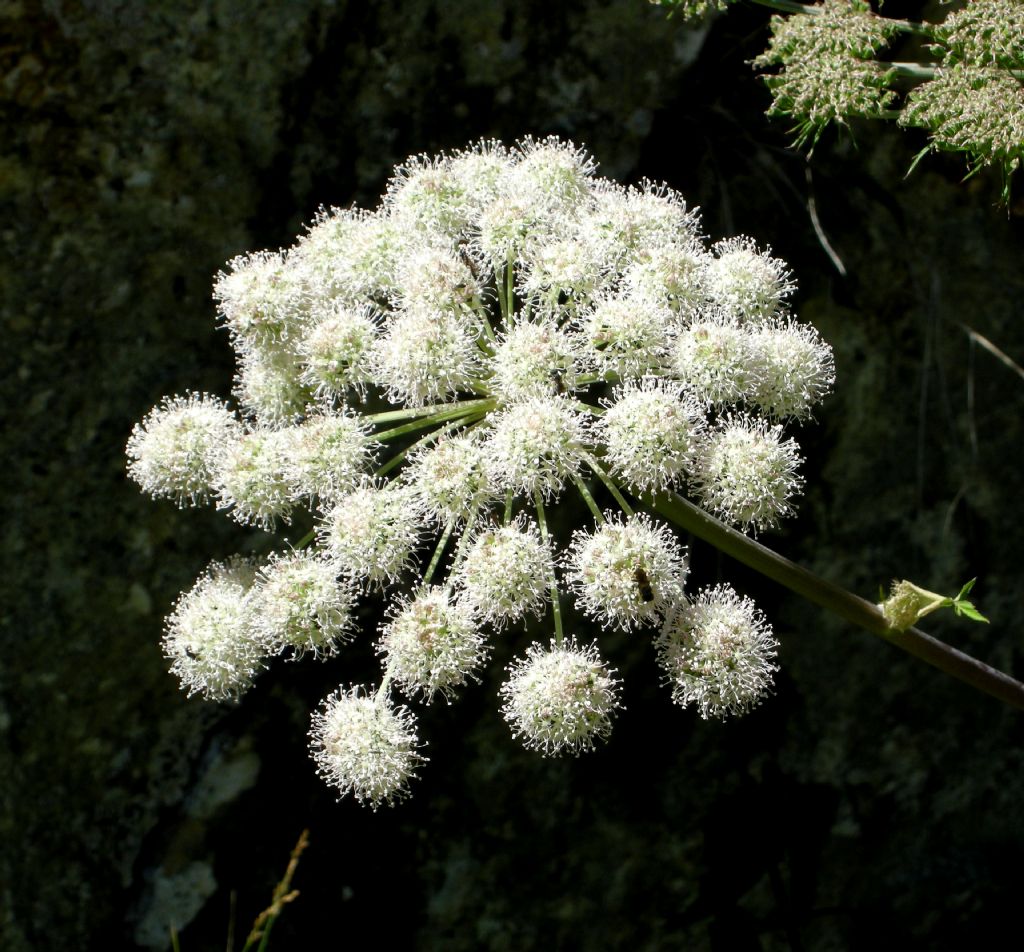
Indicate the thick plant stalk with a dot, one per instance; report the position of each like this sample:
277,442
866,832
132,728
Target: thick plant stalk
835,598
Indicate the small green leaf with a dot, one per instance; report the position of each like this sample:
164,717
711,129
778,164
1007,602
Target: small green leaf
969,611
966,589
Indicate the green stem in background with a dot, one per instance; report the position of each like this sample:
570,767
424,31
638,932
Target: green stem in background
589,500
918,71
835,598
510,283
556,608
609,484
460,549
409,413
426,440
509,497
464,408
429,574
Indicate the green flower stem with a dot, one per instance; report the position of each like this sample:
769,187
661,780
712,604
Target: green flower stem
509,497
589,499
918,71
429,438
510,281
409,413
609,484
556,608
429,574
835,598
460,549
464,408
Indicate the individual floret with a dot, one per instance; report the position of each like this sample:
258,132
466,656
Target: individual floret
718,654
252,478
365,746
373,533
506,573
174,451
432,644
747,473
536,445
626,573
750,285
210,638
560,699
652,433
426,356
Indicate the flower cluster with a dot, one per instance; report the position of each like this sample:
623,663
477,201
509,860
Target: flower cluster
426,381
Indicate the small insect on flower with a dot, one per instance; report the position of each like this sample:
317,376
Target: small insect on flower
643,584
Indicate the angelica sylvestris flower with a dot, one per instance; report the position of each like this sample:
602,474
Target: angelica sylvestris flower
174,451
210,638
432,644
626,573
718,653
431,378
505,573
300,602
747,473
365,746
560,699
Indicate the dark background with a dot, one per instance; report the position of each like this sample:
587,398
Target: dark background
871,803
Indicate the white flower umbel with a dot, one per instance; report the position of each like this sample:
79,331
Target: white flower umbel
300,603
625,223
373,532
718,654
503,324
552,175
210,638
436,279
365,746
262,299
747,473
252,478
716,359
450,480
534,359
630,335
426,356
426,196
749,284
536,445
506,573
673,274
626,573
797,369
352,255
174,451
560,699
329,455
269,387
334,354
652,432
561,275
432,644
